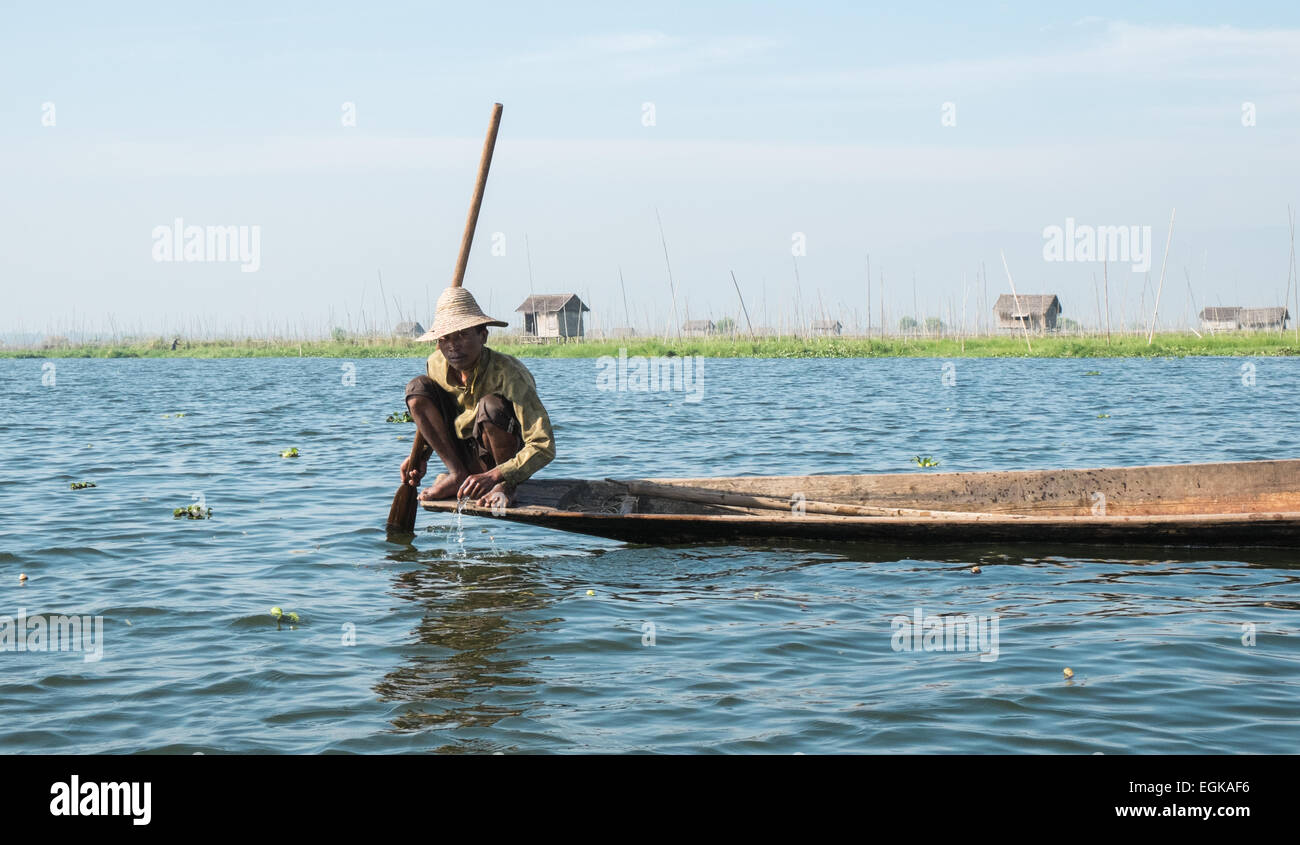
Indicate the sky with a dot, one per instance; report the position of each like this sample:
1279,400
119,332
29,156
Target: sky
771,140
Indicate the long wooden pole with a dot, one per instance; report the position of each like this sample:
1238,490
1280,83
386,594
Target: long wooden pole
401,515
471,221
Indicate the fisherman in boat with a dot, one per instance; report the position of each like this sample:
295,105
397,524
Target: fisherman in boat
476,408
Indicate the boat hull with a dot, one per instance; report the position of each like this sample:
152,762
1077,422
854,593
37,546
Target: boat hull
1238,504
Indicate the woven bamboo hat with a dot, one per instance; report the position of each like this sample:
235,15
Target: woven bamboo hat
457,310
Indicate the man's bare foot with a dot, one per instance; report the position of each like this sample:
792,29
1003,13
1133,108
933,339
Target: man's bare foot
499,496
443,487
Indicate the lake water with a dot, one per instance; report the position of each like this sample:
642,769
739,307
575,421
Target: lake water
483,637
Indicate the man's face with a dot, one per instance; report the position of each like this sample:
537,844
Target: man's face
462,349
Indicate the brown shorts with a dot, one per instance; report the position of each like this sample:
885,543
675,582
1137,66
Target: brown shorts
492,408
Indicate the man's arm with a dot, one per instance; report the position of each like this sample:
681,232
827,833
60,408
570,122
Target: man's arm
539,440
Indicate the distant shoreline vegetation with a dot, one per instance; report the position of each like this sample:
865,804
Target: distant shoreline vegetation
1165,345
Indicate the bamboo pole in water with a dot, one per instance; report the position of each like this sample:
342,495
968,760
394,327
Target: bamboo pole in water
1155,309
1016,299
1123,306
672,287
884,317
868,294
964,295
627,315
1096,291
742,302
1191,296
1291,272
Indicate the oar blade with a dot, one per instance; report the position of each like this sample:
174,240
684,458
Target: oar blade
401,516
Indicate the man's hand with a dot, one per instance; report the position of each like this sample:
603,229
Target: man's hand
498,499
412,474
479,485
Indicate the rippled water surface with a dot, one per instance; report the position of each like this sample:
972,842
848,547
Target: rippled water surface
483,637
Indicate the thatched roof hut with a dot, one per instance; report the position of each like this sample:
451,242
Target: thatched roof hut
553,315
1231,318
1035,311
827,327
1218,318
1263,319
408,328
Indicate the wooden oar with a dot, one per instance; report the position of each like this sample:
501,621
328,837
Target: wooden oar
401,516
721,497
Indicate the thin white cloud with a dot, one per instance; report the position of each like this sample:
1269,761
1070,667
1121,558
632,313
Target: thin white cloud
1268,56
637,55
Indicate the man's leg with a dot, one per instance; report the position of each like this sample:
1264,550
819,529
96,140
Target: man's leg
497,434
434,413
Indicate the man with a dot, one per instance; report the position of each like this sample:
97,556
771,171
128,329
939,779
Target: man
478,409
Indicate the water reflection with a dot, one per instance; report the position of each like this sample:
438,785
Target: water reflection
1037,554
463,661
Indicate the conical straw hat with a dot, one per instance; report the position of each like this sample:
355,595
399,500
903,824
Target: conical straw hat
456,311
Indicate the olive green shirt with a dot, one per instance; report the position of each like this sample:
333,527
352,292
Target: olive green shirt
507,377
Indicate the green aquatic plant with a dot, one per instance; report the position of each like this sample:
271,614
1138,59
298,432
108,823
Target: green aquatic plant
290,453
1103,416
192,512
351,346
1093,373
926,461
281,617
81,485
403,417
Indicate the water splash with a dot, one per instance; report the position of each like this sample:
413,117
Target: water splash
460,522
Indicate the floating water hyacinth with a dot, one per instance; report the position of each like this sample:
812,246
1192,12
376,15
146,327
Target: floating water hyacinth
290,453
1093,373
282,617
1103,416
192,512
926,461
404,417
81,485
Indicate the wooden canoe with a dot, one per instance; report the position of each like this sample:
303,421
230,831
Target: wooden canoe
1251,503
